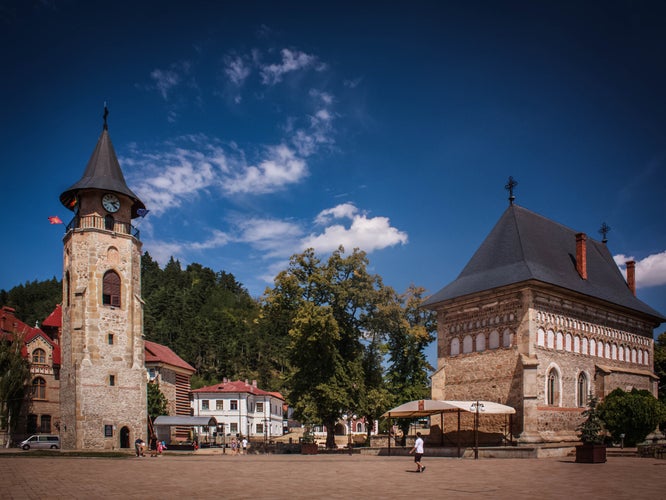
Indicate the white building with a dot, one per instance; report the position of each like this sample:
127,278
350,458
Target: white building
241,409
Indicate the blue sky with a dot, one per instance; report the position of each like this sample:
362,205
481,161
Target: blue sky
252,130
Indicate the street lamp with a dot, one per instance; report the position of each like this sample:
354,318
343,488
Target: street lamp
476,408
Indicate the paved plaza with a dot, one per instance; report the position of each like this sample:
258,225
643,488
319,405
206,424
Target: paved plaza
325,476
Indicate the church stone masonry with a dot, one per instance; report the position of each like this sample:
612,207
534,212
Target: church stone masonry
103,383
539,319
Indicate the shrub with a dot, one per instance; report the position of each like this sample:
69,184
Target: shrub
634,414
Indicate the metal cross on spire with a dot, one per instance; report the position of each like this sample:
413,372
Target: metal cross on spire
509,187
605,228
106,113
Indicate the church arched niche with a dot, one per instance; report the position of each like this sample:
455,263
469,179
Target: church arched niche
506,338
455,346
493,340
480,342
559,341
112,256
550,339
467,344
541,337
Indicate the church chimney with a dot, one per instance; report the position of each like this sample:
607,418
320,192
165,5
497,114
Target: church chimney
581,255
631,275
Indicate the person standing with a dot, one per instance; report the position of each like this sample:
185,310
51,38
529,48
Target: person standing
244,445
417,450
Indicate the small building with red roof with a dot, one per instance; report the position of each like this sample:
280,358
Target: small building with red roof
241,409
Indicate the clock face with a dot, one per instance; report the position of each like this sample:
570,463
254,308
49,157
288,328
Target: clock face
110,202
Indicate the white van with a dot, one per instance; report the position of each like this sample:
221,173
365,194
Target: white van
41,441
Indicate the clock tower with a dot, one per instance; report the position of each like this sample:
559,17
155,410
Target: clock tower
103,377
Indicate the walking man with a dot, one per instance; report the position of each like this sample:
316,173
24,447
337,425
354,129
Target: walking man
418,452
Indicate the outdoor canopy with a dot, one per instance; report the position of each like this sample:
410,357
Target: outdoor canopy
185,421
427,407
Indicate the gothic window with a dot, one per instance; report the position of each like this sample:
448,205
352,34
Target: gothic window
480,342
39,356
493,340
455,346
45,426
467,344
541,337
39,388
646,358
553,388
506,338
111,289
627,354
583,390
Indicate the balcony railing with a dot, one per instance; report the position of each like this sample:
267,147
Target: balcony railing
107,223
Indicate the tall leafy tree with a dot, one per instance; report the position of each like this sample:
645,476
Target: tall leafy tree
660,364
634,414
14,378
331,313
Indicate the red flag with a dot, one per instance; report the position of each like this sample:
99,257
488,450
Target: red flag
54,219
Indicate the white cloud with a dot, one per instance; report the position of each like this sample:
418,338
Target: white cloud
650,271
217,239
273,237
165,80
368,234
291,61
236,69
280,168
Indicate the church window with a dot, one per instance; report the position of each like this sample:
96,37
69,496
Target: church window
593,347
45,426
567,342
633,355
455,346
467,344
646,358
480,342
506,338
607,351
39,356
551,339
39,388
541,337
614,351
111,289
553,388
583,390
627,354
620,353
585,346
576,344
493,340
640,357
109,222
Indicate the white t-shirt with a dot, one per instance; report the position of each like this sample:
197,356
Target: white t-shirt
419,445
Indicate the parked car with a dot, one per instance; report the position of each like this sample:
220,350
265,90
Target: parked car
41,441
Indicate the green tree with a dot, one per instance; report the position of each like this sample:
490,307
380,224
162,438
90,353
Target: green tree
634,414
157,402
14,377
335,316
660,364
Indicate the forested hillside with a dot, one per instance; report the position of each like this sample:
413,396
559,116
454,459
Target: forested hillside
34,300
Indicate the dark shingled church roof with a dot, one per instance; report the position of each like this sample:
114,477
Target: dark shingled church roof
103,172
526,246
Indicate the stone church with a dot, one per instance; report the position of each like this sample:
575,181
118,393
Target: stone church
103,374
539,319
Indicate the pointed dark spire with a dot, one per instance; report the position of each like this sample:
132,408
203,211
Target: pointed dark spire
603,231
511,183
103,172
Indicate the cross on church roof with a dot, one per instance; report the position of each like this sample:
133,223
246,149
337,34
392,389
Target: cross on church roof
605,228
509,187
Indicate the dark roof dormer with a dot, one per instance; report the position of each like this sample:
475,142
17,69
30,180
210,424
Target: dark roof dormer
102,172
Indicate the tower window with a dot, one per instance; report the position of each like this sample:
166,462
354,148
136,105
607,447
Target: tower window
39,388
39,356
109,222
111,289
110,338
112,380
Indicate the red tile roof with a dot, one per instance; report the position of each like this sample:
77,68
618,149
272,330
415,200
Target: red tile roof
158,353
10,325
55,318
238,386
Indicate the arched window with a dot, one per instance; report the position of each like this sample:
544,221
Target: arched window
39,388
506,338
567,342
39,356
45,426
553,388
541,337
576,347
111,289
455,346
550,339
583,390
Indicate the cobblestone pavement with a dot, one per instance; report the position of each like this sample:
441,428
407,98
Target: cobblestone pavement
325,476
